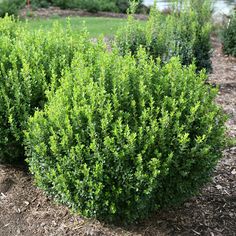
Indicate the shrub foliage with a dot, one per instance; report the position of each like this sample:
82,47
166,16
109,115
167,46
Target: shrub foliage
185,32
29,62
89,5
122,137
229,37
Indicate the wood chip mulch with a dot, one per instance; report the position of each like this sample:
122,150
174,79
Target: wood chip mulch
26,211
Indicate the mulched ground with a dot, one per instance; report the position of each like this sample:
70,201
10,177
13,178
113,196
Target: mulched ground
26,211
58,12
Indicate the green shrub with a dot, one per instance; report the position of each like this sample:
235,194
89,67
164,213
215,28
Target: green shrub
109,6
202,48
156,40
229,37
89,5
122,137
40,3
8,26
184,33
123,5
133,37
65,4
10,7
29,62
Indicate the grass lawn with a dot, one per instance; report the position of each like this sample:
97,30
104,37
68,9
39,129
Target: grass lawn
95,25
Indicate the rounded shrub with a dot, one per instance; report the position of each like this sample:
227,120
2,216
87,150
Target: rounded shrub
229,37
122,137
29,62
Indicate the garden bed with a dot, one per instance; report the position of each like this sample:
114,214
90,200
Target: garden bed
56,11
26,211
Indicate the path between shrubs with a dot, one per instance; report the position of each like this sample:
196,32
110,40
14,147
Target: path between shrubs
26,211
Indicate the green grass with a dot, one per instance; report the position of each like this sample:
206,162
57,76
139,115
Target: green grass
95,25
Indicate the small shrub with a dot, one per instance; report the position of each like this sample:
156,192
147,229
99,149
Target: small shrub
229,37
29,62
132,39
184,33
122,137
123,6
8,26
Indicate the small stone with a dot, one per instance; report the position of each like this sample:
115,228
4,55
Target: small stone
231,214
219,187
26,203
43,224
3,195
233,172
54,223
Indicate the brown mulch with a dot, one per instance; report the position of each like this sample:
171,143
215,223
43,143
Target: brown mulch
224,76
56,11
26,211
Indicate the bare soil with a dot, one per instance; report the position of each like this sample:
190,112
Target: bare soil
26,211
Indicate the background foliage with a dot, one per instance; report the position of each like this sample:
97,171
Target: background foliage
90,5
10,7
185,32
229,37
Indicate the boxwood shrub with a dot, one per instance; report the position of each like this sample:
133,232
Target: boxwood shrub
122,137
29,62
185,32
229,37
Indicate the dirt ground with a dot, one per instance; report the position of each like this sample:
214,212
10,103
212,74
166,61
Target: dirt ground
26,211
